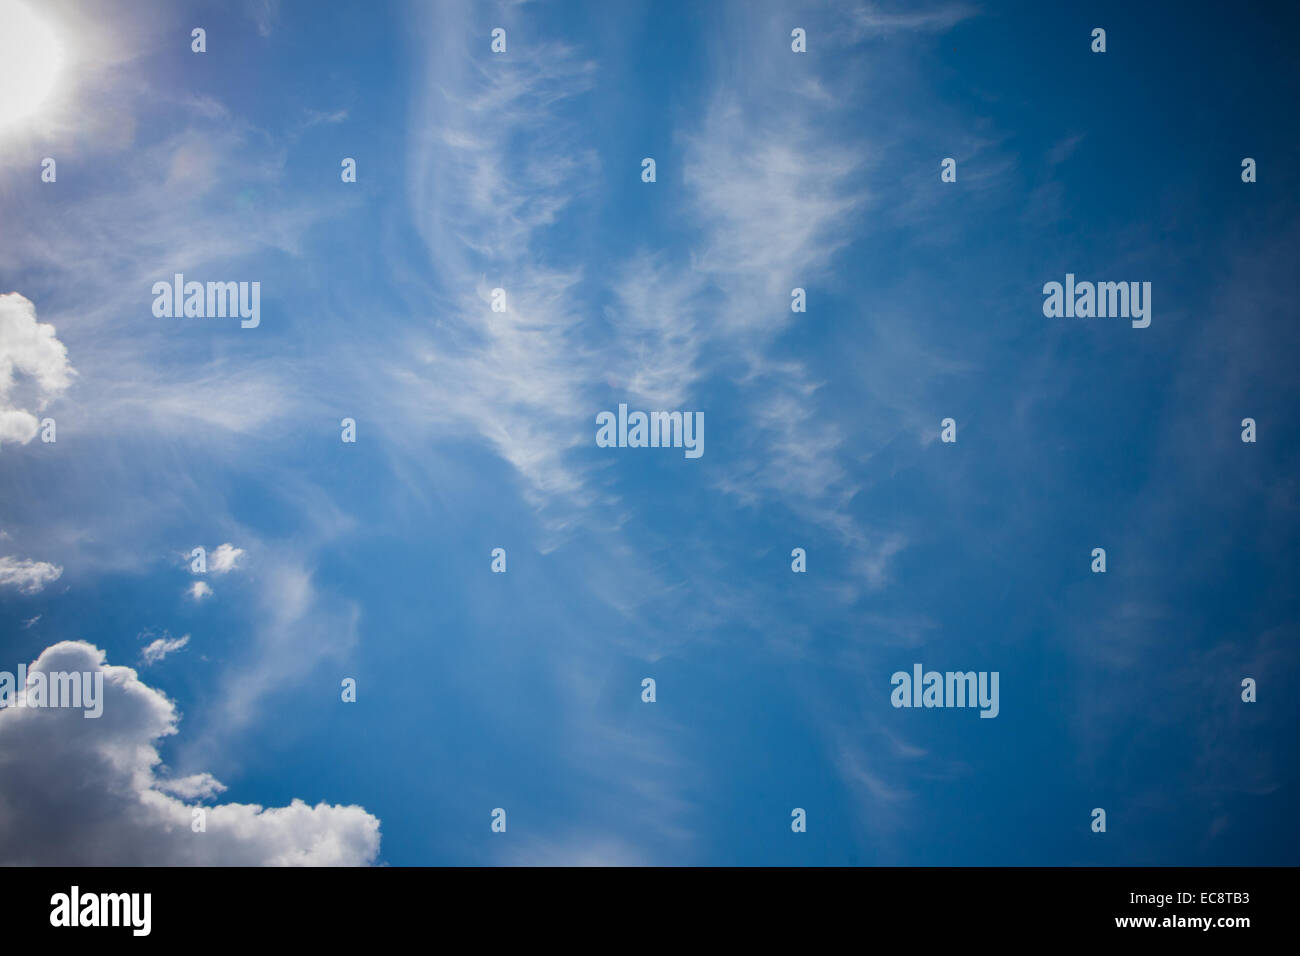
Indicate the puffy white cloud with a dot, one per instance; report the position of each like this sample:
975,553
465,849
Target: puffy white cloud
199,590
26,575
31,349
85,792
223,559
159,648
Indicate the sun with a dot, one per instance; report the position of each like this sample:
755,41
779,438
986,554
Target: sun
30,59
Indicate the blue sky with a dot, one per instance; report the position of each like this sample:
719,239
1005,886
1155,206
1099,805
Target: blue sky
476,430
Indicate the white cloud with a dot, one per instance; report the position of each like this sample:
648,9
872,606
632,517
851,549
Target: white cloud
656,355
197,786
574,850
199,590
26,575
775,196
519,380
298,629
264,13
223,559
30,349
874,565
871,20
161,647
78,792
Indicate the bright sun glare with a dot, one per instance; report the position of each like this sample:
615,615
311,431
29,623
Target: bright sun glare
30,58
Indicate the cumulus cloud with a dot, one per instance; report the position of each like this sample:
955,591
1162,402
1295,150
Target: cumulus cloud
223,559
26,575
78,792
158,649
30,349
199,590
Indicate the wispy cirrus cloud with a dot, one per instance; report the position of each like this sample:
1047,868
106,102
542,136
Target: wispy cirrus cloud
160,647
874,19
494,166
27,575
